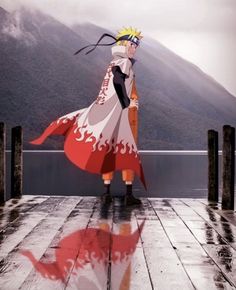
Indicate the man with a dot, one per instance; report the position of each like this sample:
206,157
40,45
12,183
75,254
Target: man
125,49
102,137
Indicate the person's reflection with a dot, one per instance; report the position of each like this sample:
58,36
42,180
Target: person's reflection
95,257
123,243
124,219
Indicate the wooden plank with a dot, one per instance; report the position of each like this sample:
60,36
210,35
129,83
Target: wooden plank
165,268
139,272
146,211
198,228
103,220
229,215
19,266
166,271
205,276
200,266
14,208
225,257
205,201
129,270
223,227
14,202
15,231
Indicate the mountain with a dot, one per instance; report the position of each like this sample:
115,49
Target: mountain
41,79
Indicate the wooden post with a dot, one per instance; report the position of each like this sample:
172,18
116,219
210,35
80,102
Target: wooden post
228,167
213,183
2,163
16,162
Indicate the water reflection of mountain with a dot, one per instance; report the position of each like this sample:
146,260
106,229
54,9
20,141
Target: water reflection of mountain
41,80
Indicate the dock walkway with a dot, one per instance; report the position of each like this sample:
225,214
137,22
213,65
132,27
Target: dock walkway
58,242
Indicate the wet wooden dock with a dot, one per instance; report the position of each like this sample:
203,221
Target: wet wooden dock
77,243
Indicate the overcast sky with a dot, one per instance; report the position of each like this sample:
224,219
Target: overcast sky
201,31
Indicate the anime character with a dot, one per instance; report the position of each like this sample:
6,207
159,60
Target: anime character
102,137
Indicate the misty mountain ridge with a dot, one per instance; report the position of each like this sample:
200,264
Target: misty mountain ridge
41,80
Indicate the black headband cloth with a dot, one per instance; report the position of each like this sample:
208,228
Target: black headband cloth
124,37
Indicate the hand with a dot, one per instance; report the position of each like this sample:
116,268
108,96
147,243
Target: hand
133,103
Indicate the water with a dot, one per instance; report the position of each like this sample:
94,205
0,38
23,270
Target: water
167,173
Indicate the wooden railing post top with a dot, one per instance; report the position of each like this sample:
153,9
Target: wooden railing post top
228,132
212,130
225,127
212,133
17,128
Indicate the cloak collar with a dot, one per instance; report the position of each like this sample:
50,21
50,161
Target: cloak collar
119,51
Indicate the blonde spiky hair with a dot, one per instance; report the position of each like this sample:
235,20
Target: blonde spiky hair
132,32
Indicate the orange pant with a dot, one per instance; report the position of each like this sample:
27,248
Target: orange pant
127,174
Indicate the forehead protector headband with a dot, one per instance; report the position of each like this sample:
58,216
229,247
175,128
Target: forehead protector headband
128,37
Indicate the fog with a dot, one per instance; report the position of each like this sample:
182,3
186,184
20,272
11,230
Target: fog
201,31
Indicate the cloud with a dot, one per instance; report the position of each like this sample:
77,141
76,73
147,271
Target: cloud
149,15
181,25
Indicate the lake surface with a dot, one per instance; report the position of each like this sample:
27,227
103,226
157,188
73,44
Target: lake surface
167,173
